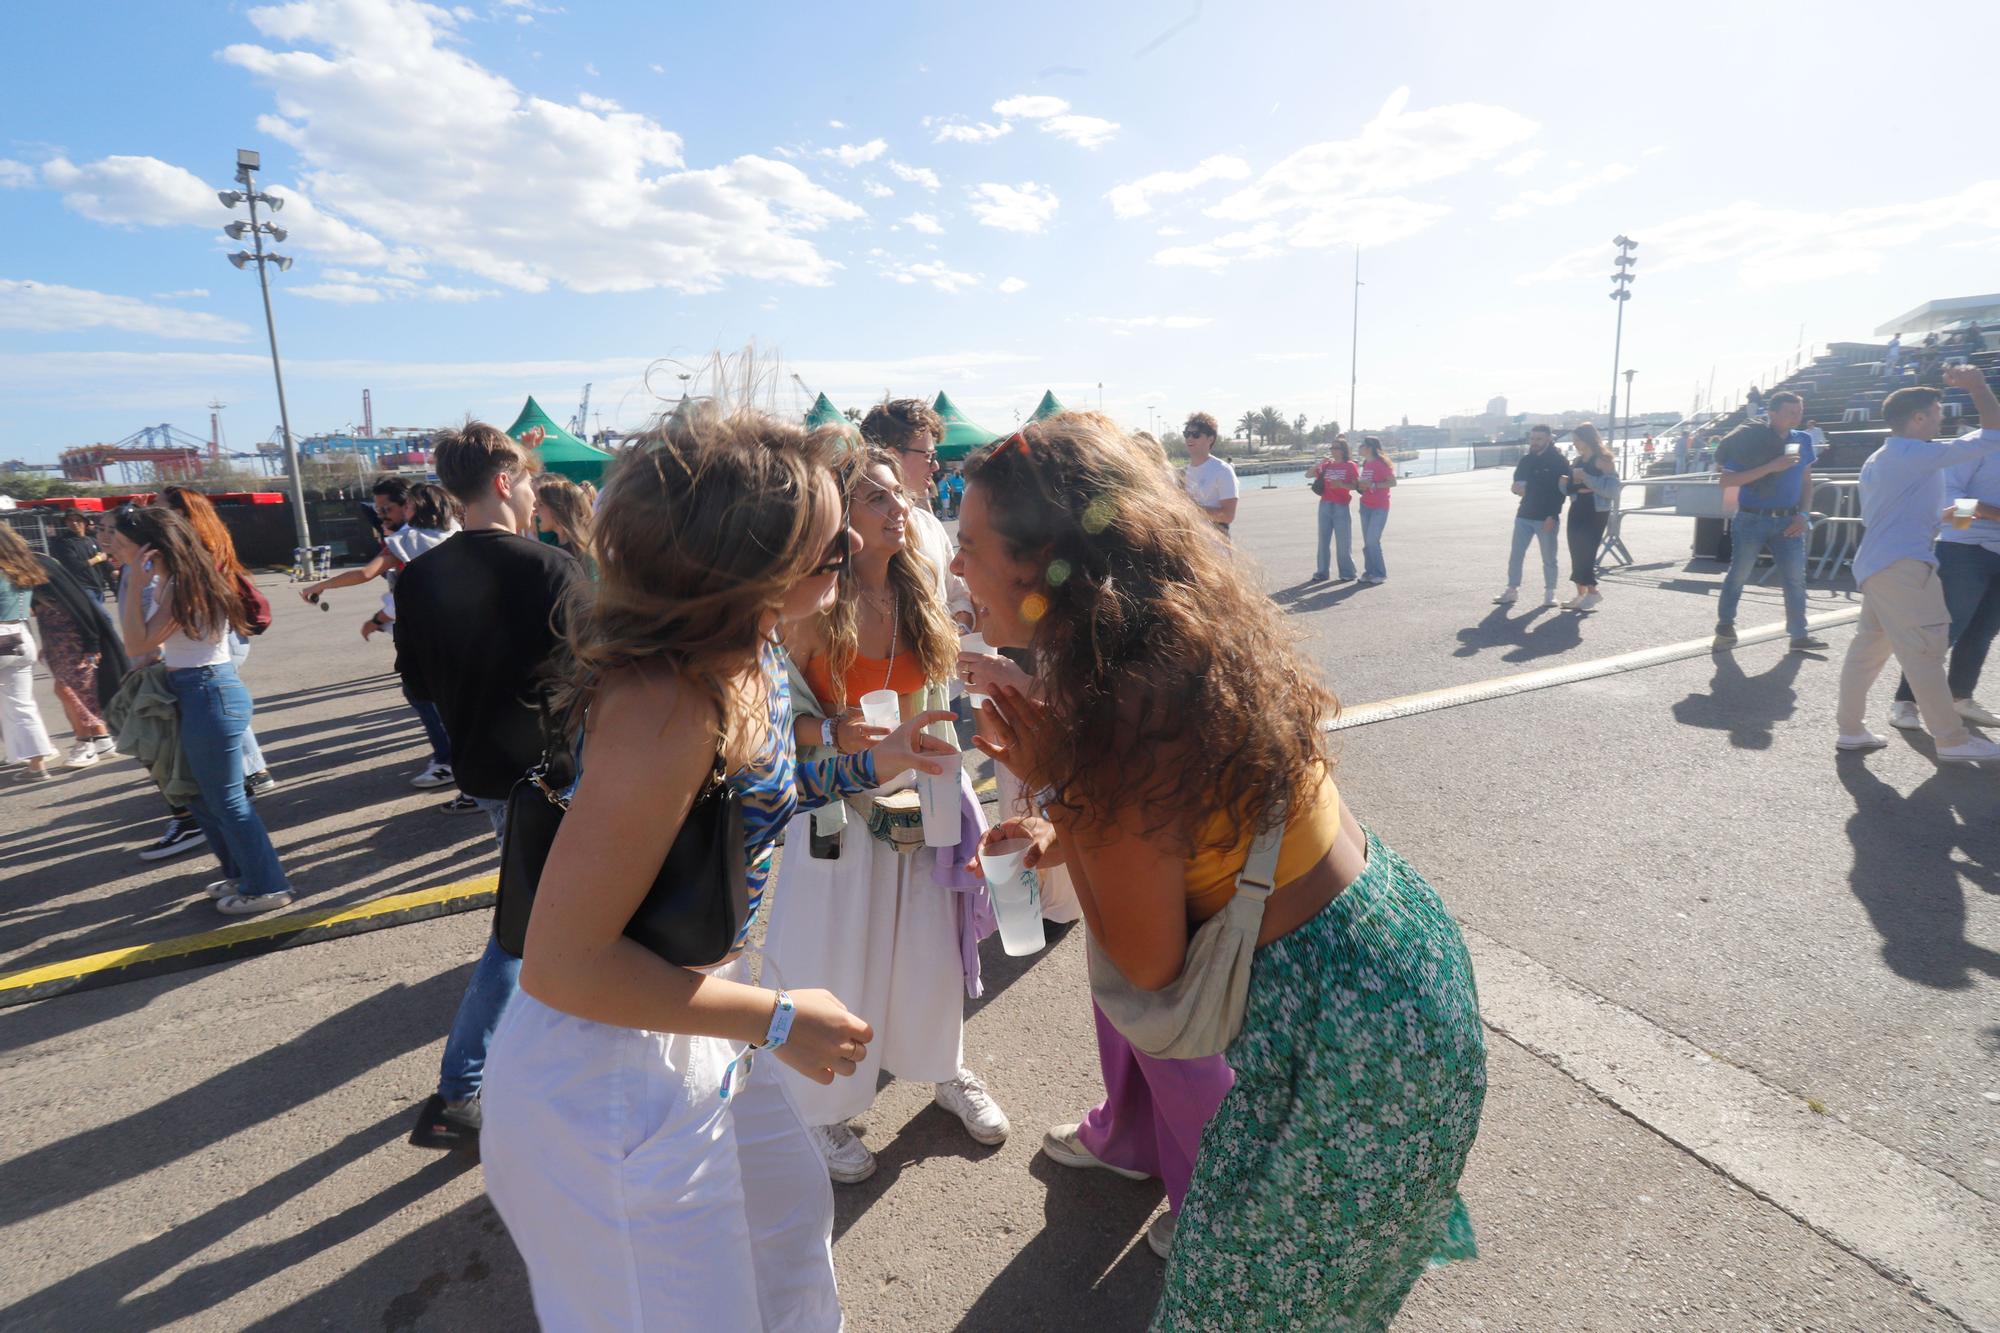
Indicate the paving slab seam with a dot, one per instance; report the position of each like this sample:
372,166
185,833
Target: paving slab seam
1914,1225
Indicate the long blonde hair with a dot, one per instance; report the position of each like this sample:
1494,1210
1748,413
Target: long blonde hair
1175,687
1586,437
925,624
565,500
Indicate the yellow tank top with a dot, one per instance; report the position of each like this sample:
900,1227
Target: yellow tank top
1211,874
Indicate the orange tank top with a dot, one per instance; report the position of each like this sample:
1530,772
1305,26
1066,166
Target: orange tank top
1211,874
864,676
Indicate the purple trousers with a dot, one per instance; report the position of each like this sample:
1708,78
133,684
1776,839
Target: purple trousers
1153,1110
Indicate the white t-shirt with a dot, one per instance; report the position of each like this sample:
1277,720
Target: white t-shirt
178,651
1210,482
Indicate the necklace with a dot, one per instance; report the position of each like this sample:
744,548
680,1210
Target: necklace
895,636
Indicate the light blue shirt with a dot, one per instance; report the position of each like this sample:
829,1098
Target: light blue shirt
1903,497
1981,481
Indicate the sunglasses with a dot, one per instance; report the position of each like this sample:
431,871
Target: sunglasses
930,455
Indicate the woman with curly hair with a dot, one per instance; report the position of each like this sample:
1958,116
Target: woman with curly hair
879,923
1175,740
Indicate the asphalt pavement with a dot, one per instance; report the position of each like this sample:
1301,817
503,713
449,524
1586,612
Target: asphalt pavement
1677,846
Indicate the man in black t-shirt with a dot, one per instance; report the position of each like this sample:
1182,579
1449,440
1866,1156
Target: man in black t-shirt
76,550
1538,480
479,617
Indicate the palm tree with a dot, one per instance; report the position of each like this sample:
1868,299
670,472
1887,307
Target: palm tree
1269,423
853,414
1247,425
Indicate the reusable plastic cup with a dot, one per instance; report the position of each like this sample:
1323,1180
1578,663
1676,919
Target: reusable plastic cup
938,795
882,708
1791,448
973,642
1964,510
1017,897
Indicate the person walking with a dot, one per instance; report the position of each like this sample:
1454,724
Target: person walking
1968,562
85,658
1209,481
1378,478
639,1144
1903,609
21,726
200,513
1357,1049
1337,477
1771,461
1593,495
1538,480
887,927
194,607
76,550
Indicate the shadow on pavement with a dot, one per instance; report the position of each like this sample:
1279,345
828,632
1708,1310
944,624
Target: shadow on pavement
1748,707
1536,634
1907,877
1305,598
1087,1268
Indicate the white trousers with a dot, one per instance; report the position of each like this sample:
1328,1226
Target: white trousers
20,719
637,1196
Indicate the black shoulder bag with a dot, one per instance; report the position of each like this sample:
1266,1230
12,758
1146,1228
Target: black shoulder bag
699,900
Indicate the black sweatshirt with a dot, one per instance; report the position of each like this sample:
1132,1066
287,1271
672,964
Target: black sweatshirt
1541,477
477,620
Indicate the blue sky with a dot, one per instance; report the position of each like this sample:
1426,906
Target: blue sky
517,197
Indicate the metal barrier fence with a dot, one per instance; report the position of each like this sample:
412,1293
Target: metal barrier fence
1835,506
36,526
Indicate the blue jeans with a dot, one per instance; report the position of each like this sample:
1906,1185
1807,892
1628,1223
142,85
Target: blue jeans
1336,530
1970,578
215,712
1372,523
1749,535
1533,530
434,732
494,981
253,754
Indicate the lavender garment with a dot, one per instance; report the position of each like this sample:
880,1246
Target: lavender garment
1153,1110
975,908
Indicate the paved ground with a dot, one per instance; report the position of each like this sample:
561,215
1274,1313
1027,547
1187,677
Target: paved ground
223,1148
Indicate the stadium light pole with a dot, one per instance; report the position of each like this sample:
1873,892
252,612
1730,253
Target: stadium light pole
1621,283
247,163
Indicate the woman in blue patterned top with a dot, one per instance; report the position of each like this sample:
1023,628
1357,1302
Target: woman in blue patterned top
650,1173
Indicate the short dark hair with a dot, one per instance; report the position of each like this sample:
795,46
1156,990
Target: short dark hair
897,423
393,489
1900,406
470,457
1544,428
1200,423
1782,397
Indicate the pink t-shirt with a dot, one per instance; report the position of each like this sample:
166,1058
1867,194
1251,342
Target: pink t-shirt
1336,478
1377,469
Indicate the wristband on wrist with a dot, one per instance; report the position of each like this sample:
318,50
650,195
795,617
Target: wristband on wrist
781,1022
1045,797
829,732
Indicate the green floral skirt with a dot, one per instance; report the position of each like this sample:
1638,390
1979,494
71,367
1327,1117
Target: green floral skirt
1328,1181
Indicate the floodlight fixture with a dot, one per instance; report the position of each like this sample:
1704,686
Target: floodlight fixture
276,233
234,231
240,258
229,198
271,201
283,262
248,159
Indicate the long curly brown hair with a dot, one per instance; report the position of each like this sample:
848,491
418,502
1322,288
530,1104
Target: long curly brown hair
204,601
925,627
1176,688
200,513
704,525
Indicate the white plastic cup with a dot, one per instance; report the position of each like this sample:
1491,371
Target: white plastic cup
1964,510
1791,448
972,641
1017,902
938,795
882,708
1002,860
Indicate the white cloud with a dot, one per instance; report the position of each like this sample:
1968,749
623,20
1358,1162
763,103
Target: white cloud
1567,193
373,95
923,176
185,294
935,272
877,190
948,129
1029,107
590,69
1009,286
836,125
352,287
1133,323
1056,118
926,223
592,102
1521,163
854,155
1134,199
1170,231
45,307
15,175
658,69
340,293
1025,207
135,192
1771,246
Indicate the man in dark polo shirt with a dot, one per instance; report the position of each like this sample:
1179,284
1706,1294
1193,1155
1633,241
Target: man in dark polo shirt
1538,480
1772,465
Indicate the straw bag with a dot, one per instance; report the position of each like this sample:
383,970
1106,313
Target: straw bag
1202,1011
896,818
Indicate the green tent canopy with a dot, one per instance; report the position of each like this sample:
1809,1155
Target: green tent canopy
1050,406
961,437
561,452
824,413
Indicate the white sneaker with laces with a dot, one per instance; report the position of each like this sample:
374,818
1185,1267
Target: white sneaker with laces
103,744
222,888
1588,601
1861,740
1904,716
848,1161
1549,598
1063,1146
83,756
249,904
1978,714
434,775
966,1097
1160,1235
1978,750
1507,598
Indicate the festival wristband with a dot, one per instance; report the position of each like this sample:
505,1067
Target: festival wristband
1044,798
781,1022
829,733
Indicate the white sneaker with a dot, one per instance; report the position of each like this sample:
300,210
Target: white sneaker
966,1097
1549,598
83,756
848,1162
434,775
249,904
1573,603
1903,714
103,744
1507,598
1978,750
1861,740
1062,1146
1588,601
1978,714
1160,1235
222,888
